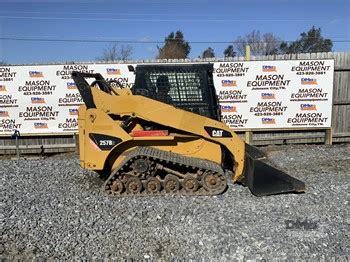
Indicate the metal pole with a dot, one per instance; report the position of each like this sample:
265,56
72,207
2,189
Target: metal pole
17,147
248,134
247,52
15,135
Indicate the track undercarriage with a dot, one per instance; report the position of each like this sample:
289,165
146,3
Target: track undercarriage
150,171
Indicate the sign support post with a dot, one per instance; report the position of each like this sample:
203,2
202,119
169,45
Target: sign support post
248,135
329,136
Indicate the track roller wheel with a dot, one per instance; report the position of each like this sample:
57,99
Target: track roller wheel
133,185
171,184
212,182
117,187
190,184
152,185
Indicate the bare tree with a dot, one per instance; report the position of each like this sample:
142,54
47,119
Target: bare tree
266,44
3,63
125,52
116,52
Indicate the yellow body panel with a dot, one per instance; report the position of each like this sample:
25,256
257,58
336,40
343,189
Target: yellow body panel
197,144
96,121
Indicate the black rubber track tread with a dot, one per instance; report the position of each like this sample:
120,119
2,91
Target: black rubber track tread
164,157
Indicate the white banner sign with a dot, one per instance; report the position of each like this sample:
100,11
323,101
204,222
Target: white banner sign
44,99
256,94
275,94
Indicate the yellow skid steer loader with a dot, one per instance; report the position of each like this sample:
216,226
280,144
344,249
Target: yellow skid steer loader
164,136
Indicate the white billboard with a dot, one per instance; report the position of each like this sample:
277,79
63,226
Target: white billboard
43,99
275,94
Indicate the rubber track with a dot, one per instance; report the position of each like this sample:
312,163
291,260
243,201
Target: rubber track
162,157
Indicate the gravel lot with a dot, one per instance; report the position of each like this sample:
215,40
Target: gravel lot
51,209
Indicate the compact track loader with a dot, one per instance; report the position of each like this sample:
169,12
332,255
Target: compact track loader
164,136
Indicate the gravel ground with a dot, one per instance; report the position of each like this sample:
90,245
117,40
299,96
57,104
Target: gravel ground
51,209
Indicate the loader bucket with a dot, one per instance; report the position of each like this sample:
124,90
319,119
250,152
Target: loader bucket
263,179
254,152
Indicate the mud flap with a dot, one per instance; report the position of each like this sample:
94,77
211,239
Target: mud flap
263,179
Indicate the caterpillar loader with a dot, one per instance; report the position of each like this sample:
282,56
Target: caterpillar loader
164,136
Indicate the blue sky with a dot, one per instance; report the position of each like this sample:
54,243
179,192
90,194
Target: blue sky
142,21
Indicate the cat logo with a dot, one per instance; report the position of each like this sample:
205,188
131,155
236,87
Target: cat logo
216,133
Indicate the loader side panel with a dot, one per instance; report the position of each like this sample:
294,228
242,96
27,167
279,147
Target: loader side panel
101,135
103,141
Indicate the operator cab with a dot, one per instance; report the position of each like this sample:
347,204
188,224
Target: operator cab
189,87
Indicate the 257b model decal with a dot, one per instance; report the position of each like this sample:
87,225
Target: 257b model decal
104,142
